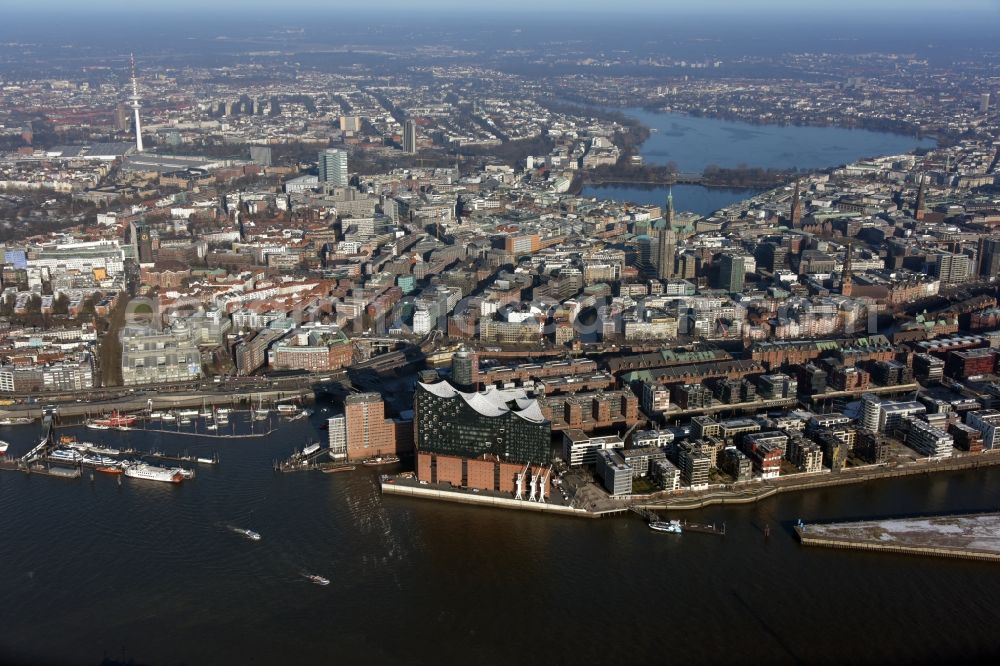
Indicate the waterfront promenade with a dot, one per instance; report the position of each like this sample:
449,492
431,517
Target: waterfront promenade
590,501
157,401
756,491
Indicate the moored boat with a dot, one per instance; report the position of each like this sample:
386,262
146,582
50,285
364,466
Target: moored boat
3,447
115,420
98,461
339,468
109,469
66,455
669,526
153,473
380,460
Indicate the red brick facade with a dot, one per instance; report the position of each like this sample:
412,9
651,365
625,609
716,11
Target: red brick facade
479,473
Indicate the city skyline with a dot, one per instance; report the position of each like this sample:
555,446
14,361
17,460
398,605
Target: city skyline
313,310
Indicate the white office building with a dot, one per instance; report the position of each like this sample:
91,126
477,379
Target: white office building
333,167
337,429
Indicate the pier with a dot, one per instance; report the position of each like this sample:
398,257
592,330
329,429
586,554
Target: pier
704,528
970,536
44,470
652,517
302,462
211,435
159,455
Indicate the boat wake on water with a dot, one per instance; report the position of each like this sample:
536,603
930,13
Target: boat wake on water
316,579
249,534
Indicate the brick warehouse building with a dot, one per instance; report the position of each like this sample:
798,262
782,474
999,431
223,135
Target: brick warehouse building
478,439
969,363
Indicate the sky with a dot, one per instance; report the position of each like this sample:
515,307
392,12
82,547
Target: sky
799,7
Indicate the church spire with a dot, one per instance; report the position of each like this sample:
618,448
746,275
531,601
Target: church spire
666,254
796,209
918,208
846,282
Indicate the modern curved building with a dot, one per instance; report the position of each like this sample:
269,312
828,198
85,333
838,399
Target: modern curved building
464,369
505,425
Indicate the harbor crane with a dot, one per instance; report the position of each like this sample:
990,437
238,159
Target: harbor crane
519,494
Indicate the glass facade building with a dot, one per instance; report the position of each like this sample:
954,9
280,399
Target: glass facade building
506,424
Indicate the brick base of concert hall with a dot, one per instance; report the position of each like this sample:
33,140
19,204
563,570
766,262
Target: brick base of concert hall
484,474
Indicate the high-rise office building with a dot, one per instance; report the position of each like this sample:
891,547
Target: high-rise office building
261,155
465,369
731,273
333,167
350,124
984,103
141,241
410,137
369,433
951,268
121,117
988,258
337,430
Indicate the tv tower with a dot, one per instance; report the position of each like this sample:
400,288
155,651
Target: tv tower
135,101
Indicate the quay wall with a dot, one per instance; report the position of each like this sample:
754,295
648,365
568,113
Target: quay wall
497,502
934,551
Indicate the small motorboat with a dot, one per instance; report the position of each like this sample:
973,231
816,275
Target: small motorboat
316,579
250,534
